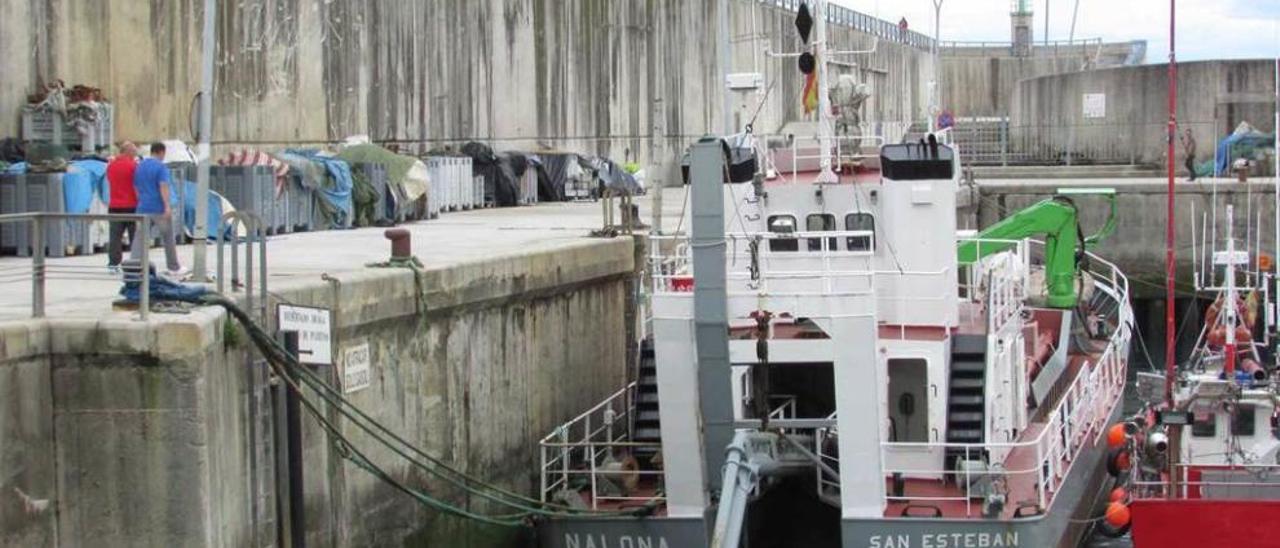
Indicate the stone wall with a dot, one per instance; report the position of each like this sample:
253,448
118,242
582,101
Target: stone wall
580,75
979,81
123,433
1213,98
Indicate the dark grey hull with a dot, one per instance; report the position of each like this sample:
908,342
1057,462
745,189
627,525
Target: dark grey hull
1063,526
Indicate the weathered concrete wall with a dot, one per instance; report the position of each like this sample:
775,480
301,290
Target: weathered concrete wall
1137,246
1213,98
979,81
573,74
139,434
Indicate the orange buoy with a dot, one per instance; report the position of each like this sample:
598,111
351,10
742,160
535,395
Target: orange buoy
1117,514
1118,494
1264,262
1116,435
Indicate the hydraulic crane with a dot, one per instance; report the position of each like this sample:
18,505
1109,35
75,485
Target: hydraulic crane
1056,219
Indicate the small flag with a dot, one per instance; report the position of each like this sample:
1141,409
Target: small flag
810,96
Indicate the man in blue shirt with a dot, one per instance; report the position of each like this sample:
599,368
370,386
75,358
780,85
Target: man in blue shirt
151,181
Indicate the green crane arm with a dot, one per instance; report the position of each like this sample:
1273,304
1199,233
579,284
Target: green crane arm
1056,220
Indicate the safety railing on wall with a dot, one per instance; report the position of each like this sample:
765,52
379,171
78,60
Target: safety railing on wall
589,455
998,141
38,230
845,17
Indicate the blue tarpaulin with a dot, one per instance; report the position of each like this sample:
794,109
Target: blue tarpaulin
336,192
1238,145
189,207
84,180
80,183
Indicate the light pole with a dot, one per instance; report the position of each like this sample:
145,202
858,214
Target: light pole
204,131
936,96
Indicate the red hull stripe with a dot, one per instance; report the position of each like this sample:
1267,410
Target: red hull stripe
1205,523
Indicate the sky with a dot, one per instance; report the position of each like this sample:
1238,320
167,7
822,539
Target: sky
1207,29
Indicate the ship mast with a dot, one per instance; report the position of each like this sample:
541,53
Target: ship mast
1170,367
826,130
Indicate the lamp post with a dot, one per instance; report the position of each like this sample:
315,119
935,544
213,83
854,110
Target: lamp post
204,135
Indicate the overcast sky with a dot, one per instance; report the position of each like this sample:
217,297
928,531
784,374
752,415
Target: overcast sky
1207,29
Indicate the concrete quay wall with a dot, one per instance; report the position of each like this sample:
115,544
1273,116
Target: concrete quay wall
591,76
122,433
1213,98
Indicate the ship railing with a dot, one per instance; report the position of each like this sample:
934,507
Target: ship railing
804,154
824,438
999,282
589,451
1217,481
1078,420
817,267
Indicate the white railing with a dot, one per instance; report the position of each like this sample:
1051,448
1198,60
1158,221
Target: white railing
575,454
827,485
1233,481
827,270
1078,420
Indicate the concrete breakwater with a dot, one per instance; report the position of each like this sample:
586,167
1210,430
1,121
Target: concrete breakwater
115,432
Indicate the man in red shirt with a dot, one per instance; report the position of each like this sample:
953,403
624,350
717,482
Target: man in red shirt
124,199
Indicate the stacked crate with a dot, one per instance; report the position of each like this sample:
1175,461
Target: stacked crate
452,187
376,175
39,192
252,189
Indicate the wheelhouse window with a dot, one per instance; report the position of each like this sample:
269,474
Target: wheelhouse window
783,224
860,222
821,222
1204,423
1242,422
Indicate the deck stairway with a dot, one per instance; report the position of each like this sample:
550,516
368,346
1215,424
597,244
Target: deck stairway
966,397
648,427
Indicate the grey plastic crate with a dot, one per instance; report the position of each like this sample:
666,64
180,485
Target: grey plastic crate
50,126
299,215
252,189
39,192
376,174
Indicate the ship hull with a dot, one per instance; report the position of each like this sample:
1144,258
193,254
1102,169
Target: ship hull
1205,522
1064,525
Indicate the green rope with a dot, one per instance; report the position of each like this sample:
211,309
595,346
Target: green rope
287,366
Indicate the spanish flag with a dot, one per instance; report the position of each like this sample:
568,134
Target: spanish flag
810,96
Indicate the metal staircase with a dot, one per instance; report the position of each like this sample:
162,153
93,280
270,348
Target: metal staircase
966,396
648,427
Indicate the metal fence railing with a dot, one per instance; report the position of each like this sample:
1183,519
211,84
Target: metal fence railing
997,141
856,20
37,226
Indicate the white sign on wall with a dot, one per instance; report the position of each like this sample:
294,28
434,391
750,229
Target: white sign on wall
357,368
314,331
1095,105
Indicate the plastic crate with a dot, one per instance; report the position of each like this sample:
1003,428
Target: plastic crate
39,192
299,215
50,126
529,187
251,189
376,174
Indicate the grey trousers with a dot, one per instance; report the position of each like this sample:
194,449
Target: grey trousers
158,225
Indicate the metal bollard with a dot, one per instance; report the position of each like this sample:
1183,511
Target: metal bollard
401,245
